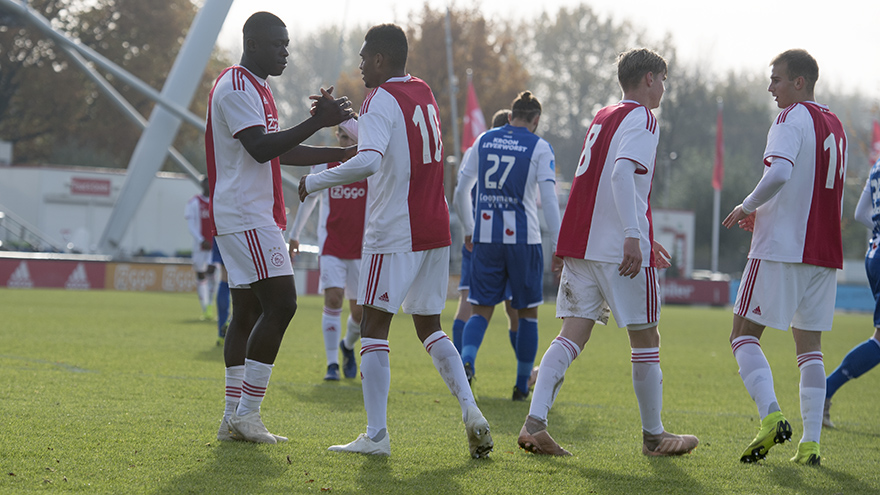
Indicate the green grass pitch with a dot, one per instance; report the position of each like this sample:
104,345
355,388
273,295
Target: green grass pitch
122,392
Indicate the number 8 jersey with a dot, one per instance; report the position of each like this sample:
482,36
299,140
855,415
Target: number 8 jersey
405,199
591,227
801,223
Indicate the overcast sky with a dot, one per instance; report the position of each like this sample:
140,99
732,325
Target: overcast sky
843,35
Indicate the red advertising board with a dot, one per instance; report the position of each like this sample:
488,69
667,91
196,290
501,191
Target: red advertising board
56,274
686,291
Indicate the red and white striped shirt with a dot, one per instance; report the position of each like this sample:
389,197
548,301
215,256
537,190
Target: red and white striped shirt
801,223
407,207
245,194
591,226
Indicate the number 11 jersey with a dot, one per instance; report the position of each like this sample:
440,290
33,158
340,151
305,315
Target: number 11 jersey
801,223
406,201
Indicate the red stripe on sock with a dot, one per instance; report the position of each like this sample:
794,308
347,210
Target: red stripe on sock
429,345
373,348
739,343
253,391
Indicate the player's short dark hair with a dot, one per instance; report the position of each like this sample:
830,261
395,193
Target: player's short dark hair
390,41
632,66
259,22
501,117
799,63
525,106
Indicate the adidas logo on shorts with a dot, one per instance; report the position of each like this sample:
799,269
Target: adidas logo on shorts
384,297
757,310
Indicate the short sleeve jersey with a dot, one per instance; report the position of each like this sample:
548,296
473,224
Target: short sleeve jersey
341,217
591,227
199,215
508,163
245,194
406,202
801,223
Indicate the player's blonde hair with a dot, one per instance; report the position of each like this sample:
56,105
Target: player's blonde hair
632,66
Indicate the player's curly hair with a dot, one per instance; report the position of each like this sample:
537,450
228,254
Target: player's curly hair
390,41
632,66
525,106
799,64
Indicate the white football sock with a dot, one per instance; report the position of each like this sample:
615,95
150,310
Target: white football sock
234,375
204,295
812,388
557,359
447,360
376,383
330,323
755,373
352,333
648,384
253,386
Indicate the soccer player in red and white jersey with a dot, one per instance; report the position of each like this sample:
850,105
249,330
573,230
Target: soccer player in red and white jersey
790,278
198,219
245,148
606,242
342,213
406,239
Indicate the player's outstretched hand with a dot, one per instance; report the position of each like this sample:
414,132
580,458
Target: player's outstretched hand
746,221
330,111
632,258
661,256
303,193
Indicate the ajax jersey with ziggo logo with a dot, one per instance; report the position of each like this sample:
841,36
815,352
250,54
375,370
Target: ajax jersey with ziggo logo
345,214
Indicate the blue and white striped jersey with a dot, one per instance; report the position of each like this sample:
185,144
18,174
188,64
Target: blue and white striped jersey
507,163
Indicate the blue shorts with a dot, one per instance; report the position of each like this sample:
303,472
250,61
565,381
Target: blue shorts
518,268
872,267
216,259
464,283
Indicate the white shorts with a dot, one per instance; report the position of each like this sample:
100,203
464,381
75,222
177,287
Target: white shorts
339,273
417,281
254,255
201,258
779,295
588,289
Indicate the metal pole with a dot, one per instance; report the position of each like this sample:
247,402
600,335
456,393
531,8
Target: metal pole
127,108
716,220
453,90
716,207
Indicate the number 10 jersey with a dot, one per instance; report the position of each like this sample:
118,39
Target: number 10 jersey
405,199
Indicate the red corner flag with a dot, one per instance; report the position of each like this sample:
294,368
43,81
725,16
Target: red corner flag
875,142
718,172
474,122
